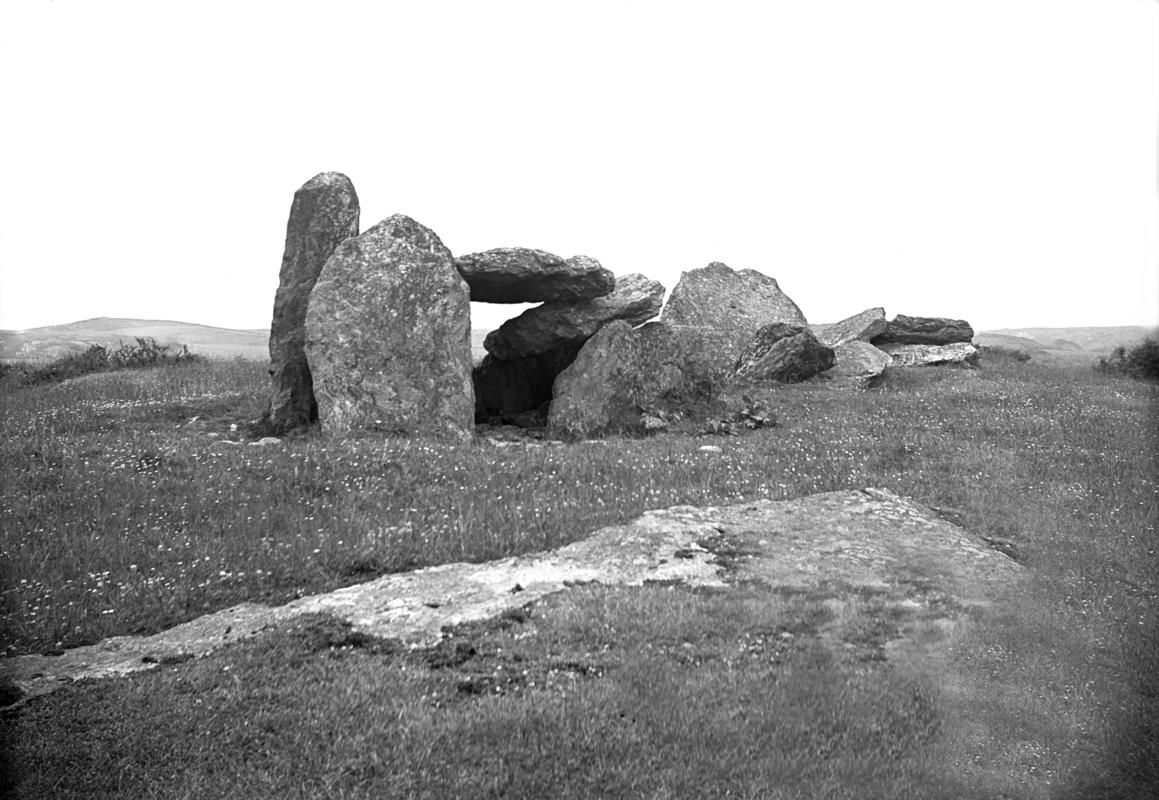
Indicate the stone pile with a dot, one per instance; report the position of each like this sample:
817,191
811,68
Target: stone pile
371,332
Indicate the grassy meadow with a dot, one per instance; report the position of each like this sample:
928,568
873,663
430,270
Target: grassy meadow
128,508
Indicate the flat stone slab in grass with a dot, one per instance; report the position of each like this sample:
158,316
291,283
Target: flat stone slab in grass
835,542
923,355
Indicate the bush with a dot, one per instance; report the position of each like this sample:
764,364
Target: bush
97,358
1140,361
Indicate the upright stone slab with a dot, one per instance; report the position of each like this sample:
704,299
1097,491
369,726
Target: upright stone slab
728,307
388,335
323,215
523,275
543,329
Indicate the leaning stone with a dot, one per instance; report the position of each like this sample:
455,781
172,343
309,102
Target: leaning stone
388,335
863,326
858,364
593,396
552,326
623,376
728,307
924,330
323,215
920,355
522,275
783,353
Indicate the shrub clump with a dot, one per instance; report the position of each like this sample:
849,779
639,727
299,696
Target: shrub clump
1140,361
144,352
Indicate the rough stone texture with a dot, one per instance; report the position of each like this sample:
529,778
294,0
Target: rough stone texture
593,396
920,355
623,376
930,578
388,335
863,326
858,364
323,215
924,330
783,353
522,275
729,307
551,326
507,389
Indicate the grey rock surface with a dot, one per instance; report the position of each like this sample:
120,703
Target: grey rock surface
595,395
920,355
728,307
635,299
864,326
925,570
388,335
523,275
781,353
858,364
903,329
323,215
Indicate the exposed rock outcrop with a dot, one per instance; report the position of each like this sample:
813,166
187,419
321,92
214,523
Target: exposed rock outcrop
323,215
929,577
551,326
728,307
863,326
783,353
924,330
920,355
388,335
523,275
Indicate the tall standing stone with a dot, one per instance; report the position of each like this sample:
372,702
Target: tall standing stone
388,335
323,215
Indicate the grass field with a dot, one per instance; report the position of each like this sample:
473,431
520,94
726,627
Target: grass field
126,510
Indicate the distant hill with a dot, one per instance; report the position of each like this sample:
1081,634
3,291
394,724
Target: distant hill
1095,340
54,341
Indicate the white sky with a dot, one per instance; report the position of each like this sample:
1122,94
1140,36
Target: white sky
993,160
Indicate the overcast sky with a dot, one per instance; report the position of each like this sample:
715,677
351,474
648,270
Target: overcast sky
993,160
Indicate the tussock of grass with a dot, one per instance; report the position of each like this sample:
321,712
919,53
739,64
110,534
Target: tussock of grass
120,513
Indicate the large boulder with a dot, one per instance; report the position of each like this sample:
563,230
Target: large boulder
863,326
594,395
522,275
552,326
783,353
506,390
920,355
858,364
622,376
323,215
924,330
728,307
388,335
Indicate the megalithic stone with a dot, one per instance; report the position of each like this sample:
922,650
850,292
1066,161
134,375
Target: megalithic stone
324,214
388,336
